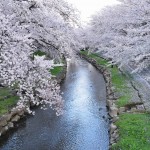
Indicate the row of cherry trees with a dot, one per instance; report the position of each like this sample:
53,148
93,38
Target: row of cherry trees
25,27
122,33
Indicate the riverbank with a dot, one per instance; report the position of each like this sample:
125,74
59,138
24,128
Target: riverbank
9,115
129,127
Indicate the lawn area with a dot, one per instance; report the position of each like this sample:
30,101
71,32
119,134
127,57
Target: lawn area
57,70
134,128
7,100
134,132
39,53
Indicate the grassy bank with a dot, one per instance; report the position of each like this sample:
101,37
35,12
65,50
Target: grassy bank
119,80
134,128
57,70
134,132
7,100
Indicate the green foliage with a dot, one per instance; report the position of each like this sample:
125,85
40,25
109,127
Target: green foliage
4,92
120,81
39,53
134,132
57,70
95,56
7,100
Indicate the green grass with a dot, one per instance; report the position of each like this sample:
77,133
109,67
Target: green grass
119,80
4,92
39,53
7,100
134,132
57,70
100,60
8,103
134,128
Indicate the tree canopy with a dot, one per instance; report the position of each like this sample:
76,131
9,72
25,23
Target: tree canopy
25,27
121,33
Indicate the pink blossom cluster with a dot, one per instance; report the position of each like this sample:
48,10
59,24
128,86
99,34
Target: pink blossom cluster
122,33
26,26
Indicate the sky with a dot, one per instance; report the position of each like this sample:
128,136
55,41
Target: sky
90,7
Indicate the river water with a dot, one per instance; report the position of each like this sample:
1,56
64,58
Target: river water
84,124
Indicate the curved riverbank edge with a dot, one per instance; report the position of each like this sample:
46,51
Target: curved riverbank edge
8,121
111,98
114,110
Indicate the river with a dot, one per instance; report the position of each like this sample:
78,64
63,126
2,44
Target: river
84,124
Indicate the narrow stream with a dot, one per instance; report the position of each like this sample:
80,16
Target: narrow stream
84,125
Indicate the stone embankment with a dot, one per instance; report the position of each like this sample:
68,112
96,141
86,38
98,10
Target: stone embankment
113,110
8,121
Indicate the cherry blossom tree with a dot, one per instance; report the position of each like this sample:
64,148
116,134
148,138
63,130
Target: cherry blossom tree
121,33
25,27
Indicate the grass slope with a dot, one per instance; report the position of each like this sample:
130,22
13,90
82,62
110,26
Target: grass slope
57,70
134,132
7,100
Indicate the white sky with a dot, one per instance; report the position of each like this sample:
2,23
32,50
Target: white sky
89,7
